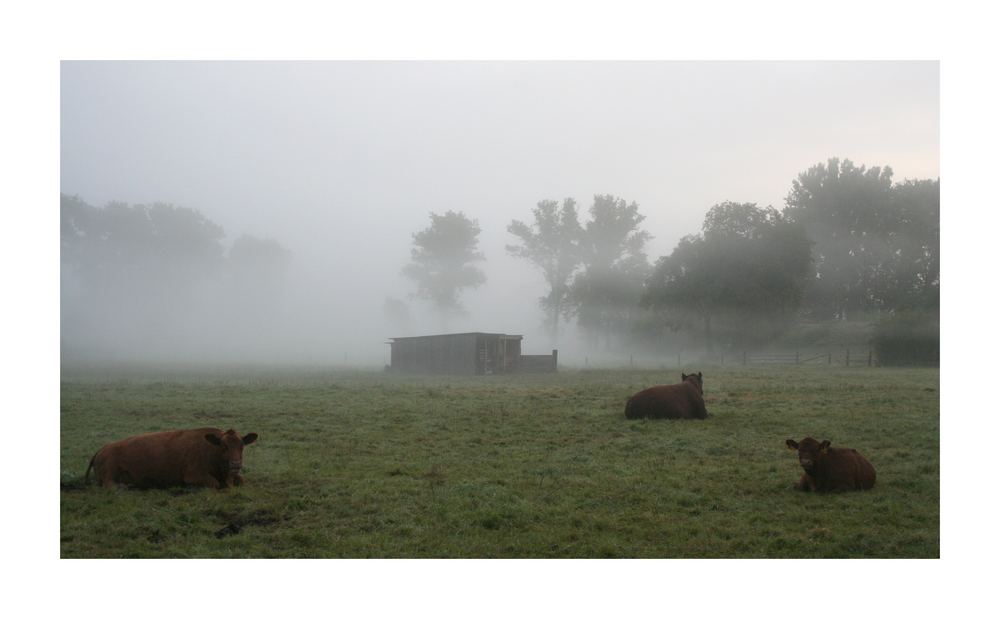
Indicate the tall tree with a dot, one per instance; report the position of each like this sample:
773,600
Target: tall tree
552,244
605,294
876,245
848,213
441,260
747,269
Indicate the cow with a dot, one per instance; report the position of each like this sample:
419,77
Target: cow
831,468
200,457
681,401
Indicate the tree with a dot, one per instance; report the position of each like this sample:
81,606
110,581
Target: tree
605,295
137,273
876,244
158,250
846,211
735,220
441,260
747,270
552,244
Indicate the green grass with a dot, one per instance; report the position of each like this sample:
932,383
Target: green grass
356,464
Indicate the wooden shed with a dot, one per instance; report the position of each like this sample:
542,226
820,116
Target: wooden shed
466,353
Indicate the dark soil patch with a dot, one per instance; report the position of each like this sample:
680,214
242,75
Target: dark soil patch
236,522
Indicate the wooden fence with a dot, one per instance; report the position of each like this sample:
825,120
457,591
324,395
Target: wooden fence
846,357
538,363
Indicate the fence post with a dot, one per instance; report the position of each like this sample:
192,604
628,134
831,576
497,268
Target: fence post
847,360
744,357
869,357
796,357
829,358
722,360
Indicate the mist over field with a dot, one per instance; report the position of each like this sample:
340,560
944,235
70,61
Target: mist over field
265,212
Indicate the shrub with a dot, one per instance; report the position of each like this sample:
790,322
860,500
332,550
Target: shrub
909,339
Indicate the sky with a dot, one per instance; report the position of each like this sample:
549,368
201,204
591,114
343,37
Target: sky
341,162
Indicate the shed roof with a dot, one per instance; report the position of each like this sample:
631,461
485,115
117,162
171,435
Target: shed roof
417,337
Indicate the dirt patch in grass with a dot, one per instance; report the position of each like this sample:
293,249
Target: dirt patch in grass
75,485
236,522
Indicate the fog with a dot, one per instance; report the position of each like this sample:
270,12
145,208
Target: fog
342,162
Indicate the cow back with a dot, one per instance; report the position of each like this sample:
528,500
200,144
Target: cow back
680,401
843,468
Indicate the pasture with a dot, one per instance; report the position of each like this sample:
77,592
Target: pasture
367,464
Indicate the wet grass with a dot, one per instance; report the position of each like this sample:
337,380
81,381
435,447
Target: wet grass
364,464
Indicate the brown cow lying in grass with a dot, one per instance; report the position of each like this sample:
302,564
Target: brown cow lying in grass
201,457
681,401
831,468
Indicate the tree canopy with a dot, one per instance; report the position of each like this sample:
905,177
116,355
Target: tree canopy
748,266
605,294
552,243
157,251
441,260
159,275
875,244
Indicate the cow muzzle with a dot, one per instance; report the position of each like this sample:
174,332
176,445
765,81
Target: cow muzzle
235,467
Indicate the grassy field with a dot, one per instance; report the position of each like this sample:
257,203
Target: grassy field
364,464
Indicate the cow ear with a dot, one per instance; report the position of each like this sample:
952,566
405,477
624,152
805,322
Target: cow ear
824,446
699,375
249,438
213,439
792,445
683,377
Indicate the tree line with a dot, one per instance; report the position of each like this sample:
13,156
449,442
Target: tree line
156,274
849,243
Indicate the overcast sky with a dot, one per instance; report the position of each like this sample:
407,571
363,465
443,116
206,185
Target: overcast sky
342,161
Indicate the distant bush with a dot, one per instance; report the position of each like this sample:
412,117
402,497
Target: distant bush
908,338
812,335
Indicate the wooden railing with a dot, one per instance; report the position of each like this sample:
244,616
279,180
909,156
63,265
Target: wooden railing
844,357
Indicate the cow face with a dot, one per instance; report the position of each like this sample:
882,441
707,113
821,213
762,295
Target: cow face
810,451
694,379
231,448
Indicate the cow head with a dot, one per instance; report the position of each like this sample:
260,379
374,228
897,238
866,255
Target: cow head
694,379
231,447
810,451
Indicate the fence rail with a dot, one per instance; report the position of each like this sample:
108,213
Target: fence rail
844,357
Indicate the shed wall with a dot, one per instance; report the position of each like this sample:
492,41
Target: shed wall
440,354
466,353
